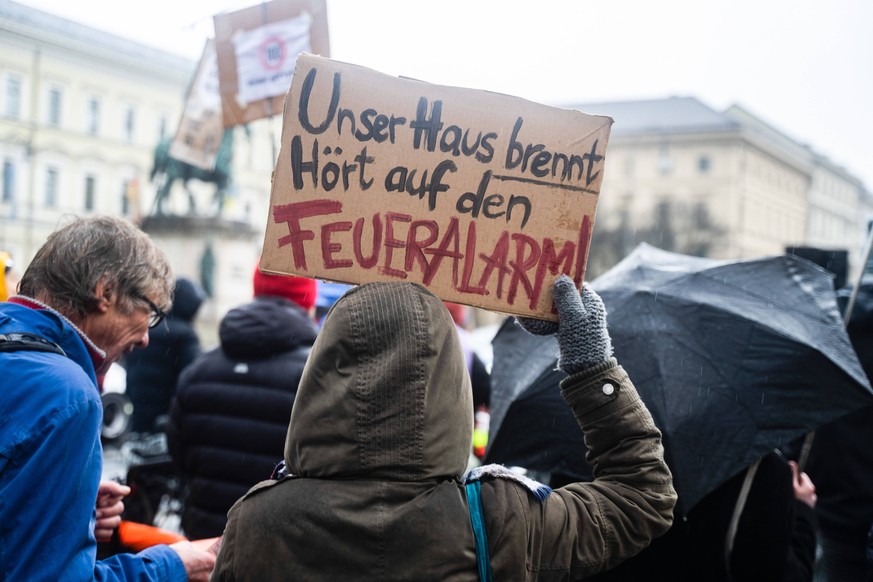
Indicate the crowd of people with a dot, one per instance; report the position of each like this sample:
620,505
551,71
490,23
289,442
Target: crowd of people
336,444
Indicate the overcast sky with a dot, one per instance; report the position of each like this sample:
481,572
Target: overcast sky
804,66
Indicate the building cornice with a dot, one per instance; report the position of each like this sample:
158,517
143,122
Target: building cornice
34,27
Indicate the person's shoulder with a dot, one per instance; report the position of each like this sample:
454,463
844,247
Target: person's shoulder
56,372
60,375
48,325
45,390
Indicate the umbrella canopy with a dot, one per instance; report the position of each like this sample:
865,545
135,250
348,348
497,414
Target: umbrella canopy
733,358
531,425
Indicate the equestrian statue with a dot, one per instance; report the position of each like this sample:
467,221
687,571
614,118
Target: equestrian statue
167,169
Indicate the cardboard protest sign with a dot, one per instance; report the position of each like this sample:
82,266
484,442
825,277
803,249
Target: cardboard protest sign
200,128
257,48
481,197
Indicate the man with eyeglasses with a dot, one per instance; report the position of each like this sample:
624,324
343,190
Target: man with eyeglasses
89,296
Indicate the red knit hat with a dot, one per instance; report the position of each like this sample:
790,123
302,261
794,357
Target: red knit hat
300,290
458,311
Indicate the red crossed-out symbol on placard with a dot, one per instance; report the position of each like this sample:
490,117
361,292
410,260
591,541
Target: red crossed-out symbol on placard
272,53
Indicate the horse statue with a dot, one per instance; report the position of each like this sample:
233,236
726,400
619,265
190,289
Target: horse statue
167,169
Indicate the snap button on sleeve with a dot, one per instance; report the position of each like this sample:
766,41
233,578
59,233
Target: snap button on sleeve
608,389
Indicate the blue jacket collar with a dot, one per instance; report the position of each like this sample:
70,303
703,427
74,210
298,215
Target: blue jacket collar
17,316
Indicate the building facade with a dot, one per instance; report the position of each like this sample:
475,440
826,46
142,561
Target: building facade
685,177
81,114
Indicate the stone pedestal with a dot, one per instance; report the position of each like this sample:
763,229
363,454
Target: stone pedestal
219,254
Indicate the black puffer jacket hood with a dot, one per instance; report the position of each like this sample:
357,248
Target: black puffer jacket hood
188,296
265,327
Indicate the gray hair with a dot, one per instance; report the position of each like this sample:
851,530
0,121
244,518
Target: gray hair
67,268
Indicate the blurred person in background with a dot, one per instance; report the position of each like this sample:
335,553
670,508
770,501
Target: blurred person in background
480,380
479,376
771,539
152,373
6,283
841,464
89,296
230,412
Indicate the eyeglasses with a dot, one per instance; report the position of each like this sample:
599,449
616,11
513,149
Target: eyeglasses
157,315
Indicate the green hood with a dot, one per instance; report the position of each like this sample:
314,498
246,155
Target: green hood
385,393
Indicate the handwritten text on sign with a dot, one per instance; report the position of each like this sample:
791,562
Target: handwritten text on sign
481,197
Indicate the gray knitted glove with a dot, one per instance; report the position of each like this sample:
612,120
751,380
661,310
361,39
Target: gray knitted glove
582,335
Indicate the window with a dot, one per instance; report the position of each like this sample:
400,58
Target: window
703,164
51,186
665,161
129,123
8,181
90,186
700,216
13,96
125,197
54,107
162,127
93,116
663,229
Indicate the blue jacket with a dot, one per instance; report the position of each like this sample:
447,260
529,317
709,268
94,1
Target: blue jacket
51,462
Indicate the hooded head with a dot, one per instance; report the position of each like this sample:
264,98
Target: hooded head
188,296
385,393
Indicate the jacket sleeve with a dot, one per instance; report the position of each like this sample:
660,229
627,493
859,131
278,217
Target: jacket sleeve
589,527
158,563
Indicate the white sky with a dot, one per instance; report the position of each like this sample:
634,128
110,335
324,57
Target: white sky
804,66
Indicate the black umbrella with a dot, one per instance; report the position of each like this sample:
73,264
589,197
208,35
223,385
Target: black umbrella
531,426
733,358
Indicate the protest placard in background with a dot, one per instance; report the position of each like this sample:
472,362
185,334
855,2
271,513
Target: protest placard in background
483,198
200,128
257,48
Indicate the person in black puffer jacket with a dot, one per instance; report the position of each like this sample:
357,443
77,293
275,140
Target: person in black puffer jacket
230,413
152,373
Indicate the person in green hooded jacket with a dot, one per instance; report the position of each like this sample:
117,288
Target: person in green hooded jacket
374,486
